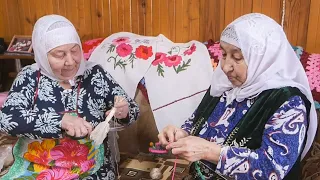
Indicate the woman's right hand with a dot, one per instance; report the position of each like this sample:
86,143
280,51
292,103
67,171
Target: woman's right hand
171,134
75,126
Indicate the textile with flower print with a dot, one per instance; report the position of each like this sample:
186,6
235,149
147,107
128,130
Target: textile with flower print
63,158
176,74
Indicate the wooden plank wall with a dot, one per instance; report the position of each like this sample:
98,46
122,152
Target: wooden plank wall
179,20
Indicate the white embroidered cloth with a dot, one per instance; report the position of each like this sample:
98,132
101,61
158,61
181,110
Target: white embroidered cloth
177,75
177,81
127,57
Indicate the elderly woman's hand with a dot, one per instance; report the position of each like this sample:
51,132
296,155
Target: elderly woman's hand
122,107
194,148
75,126
171,134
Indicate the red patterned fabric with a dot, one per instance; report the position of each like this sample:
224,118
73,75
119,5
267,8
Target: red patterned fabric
89,46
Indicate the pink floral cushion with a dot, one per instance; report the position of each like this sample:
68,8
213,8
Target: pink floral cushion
311,64
214,51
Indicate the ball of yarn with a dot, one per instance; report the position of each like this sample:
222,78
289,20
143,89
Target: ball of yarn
156,173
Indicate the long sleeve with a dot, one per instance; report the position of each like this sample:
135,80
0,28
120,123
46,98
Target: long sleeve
187,126
118,91
108,88
281,145
19,117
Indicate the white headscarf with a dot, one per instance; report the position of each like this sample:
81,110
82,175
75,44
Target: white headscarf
48,33
271,62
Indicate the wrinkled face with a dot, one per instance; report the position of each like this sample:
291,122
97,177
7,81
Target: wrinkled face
65,61
233,64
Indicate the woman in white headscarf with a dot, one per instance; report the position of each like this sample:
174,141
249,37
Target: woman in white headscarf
257,121
54,105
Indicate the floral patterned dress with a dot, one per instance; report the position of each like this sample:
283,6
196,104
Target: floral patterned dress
281,145
33,112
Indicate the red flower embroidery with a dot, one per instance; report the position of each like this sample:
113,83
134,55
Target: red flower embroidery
57,174
124,50
173,60
190,50
120,40
144,52
70,153
160,57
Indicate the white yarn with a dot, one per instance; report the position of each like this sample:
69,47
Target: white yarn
100,132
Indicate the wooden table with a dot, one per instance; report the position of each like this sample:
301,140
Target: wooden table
17,58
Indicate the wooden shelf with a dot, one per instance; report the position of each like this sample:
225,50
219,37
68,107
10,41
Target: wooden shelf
22,56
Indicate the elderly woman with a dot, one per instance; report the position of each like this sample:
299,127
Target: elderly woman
257,120
54,105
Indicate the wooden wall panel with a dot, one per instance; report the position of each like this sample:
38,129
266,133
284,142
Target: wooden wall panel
137,17
272,8
25,17
11,23
156,16
164,15
211,21
148,17
313,35
85,24
193,10
179,20
296,21
172,24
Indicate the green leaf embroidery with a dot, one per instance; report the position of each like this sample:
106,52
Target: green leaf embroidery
121,64
182,67
111,48
160,70
131,59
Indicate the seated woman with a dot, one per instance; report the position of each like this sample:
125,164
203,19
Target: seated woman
54,104
252,122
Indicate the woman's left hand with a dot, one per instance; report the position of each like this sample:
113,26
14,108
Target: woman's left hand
194,148
122,107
